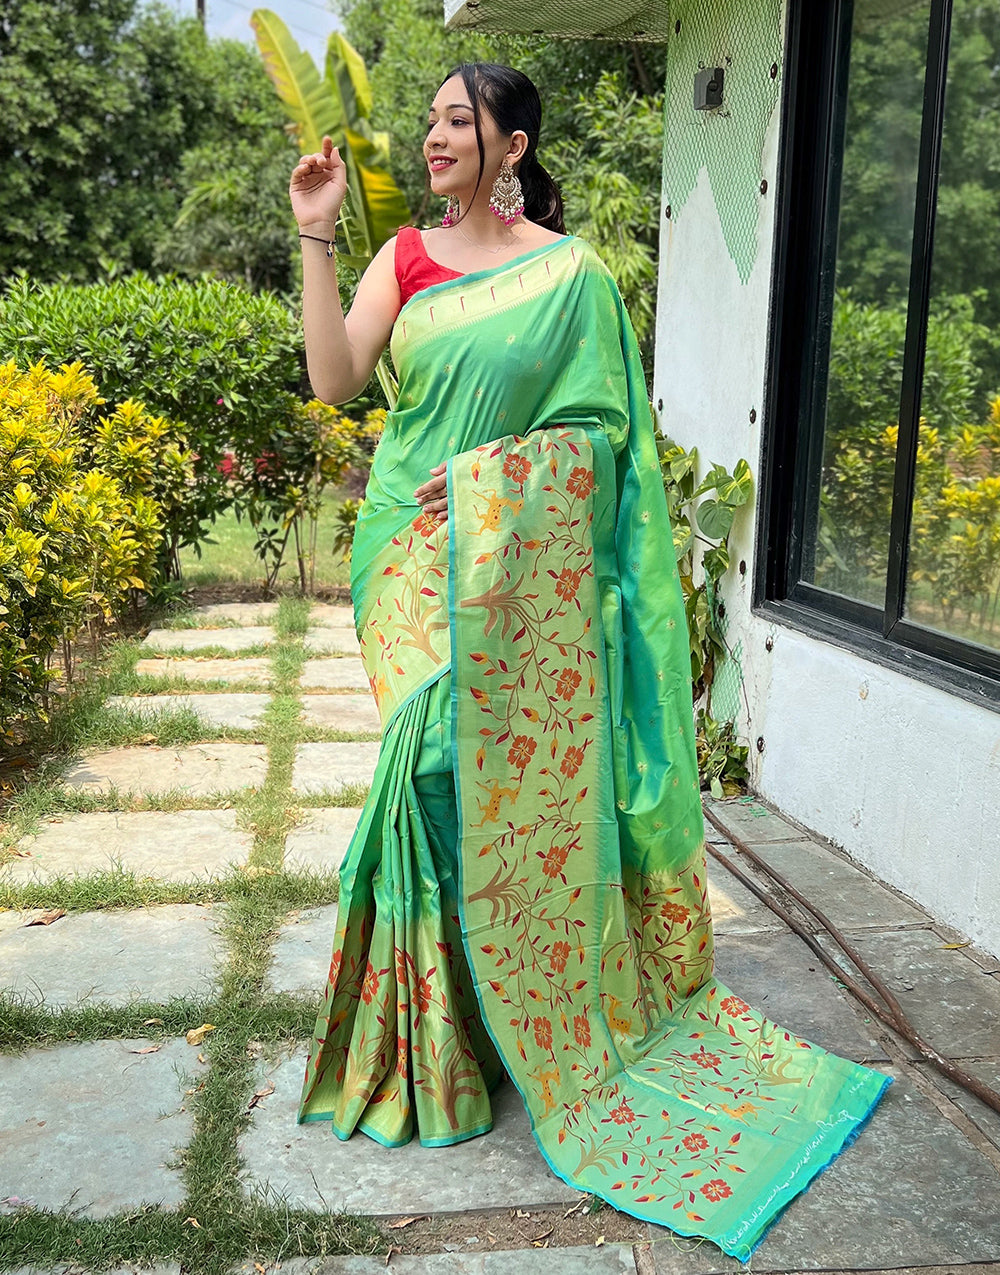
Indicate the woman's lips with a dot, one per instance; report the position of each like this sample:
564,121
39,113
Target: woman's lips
439,164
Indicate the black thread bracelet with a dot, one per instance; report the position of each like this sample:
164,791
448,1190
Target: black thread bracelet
329,242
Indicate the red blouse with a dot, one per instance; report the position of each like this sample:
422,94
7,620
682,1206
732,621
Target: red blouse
414,269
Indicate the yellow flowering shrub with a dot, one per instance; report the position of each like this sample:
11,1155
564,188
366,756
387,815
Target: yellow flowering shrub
80,522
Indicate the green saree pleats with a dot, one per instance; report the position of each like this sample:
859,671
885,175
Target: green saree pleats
526,890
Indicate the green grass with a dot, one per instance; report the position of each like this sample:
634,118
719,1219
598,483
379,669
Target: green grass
234,1225
227,556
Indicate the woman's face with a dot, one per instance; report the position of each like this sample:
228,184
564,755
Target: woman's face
450,145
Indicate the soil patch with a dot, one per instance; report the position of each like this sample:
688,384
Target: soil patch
588,1223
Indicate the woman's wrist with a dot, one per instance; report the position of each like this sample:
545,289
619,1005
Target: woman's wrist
322,229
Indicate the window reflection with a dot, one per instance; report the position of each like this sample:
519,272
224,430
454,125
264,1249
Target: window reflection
954,568
847,549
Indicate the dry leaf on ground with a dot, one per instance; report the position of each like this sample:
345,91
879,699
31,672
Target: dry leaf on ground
150,1049
260,1095
46,918
403,1221
197,1034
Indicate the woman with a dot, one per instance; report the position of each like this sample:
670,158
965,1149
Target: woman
526,889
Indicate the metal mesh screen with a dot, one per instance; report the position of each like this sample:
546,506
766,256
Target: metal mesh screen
570,19
745,40
727,685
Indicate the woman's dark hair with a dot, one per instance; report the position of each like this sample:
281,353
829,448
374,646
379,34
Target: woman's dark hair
513,104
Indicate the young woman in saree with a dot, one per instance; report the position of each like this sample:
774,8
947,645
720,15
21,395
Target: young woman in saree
526,888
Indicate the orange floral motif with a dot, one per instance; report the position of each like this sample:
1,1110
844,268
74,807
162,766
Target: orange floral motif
675,912
716,1190
543,1033
581,1029
695,1142
622,1114
424,995
370,987
580,482
401,1055
572,761
734,1007
338,956
569,681
521,751
559,956
517,468
568,584
554,861
426,523
705,1059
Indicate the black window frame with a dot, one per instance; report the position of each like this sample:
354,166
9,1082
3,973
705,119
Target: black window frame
810,162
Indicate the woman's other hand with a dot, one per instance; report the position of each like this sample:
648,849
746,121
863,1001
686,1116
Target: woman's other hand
318,186
433,496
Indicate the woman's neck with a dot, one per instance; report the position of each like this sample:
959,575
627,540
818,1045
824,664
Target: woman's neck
483,228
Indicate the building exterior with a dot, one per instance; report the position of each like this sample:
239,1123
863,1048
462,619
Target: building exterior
826,311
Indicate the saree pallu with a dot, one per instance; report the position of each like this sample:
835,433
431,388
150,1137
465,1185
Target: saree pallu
526,890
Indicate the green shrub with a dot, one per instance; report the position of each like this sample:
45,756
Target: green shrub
221,360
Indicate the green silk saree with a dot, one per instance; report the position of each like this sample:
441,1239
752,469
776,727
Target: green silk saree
526,889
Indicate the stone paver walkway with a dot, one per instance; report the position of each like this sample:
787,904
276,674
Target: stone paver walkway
99,1126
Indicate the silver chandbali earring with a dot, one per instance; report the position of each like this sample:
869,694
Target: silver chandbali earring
507,199
451,212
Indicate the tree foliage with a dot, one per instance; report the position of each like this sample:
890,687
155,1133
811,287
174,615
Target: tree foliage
112,116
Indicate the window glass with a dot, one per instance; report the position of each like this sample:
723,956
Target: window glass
847,526
953,579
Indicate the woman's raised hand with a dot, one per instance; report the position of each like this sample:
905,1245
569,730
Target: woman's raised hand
318,187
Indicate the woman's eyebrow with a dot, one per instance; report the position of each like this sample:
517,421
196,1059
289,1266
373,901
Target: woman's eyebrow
455,106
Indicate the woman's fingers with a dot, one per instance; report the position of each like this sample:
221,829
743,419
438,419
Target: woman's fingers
433,495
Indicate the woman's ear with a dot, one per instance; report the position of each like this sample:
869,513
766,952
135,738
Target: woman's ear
516,148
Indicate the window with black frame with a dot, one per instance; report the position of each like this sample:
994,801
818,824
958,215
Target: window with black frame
884,509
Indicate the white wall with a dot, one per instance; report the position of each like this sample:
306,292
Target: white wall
903,776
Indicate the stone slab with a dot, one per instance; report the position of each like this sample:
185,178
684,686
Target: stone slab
254,669
985,1118
849,897
734,909
332,617
949,999
337,641
752,821
113,957
320,841
193,639
331,767
179,845
342,712
778,975
302,951
93,1125
195,769
242,711
345,674
609,1259
243,613
315,1170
